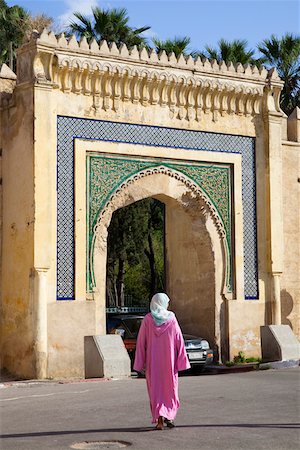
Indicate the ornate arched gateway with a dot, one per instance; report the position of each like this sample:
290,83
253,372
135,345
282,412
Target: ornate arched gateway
89,129
197,248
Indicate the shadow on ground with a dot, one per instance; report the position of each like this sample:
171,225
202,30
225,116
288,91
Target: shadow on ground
147,429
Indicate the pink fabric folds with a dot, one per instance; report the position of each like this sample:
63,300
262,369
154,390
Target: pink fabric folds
160,352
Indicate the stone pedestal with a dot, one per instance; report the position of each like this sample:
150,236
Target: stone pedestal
279,343
105,356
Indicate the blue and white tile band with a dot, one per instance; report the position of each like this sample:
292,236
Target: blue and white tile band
70,128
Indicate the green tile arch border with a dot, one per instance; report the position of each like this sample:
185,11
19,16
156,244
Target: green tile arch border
107,174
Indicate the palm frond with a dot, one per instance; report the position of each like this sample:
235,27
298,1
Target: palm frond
284,54
178,45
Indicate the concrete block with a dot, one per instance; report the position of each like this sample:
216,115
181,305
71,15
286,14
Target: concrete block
105,356
279,343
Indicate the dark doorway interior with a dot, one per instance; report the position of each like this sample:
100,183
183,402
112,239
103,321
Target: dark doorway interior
135,254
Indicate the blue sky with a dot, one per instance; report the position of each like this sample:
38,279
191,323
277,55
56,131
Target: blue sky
204,21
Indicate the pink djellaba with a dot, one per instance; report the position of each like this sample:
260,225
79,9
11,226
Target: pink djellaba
161,353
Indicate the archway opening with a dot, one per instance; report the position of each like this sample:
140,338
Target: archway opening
163,246
135,267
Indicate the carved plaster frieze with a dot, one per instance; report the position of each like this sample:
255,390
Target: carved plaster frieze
187,97
112,76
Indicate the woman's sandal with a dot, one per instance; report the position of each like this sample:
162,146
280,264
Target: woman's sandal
169,423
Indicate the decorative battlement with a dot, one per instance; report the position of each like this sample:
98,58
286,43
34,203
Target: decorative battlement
112,75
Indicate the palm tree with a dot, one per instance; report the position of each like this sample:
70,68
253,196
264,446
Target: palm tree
234,51
178,45
111,25
284,54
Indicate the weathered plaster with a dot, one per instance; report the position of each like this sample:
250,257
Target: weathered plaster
18,309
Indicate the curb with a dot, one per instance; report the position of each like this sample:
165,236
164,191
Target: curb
211,369
221,369
289,364
248,367
24,383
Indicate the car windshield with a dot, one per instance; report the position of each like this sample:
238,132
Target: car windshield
133,325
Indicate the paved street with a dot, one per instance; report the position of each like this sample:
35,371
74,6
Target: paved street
254,410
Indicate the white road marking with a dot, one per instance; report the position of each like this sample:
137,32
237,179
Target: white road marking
43,395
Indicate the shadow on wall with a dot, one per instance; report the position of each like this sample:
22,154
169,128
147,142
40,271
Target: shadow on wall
268,310
224,356
286,307
190,266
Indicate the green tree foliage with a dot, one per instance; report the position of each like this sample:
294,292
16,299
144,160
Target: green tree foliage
177,45
13,25
135,255
235,52
284,54
16,25
109,24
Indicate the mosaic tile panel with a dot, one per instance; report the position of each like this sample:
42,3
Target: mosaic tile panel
107,173
69,128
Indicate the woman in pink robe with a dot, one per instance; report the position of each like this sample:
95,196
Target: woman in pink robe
160,352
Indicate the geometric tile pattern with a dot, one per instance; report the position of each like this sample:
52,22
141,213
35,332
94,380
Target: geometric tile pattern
69,128
106,173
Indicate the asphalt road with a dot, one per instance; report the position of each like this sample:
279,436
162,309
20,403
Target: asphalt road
254,410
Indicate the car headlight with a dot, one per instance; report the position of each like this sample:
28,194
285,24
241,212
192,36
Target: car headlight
205,345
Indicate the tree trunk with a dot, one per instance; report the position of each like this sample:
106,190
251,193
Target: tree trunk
111,290
150,255
120,282
11,56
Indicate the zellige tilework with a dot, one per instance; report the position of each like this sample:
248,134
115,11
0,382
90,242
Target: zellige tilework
69,128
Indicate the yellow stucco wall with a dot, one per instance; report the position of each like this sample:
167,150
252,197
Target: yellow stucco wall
18,235
290,288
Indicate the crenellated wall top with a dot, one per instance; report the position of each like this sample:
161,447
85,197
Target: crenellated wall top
111,75
71,47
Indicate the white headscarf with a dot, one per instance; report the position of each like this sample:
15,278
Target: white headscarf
159,308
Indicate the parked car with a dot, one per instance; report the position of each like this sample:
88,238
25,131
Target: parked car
128,325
